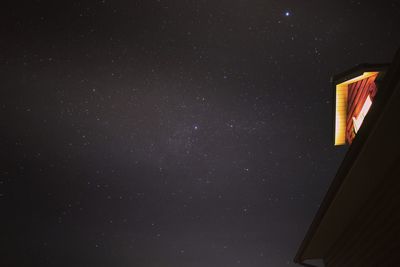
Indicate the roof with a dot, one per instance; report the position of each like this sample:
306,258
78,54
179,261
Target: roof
358,70
340,202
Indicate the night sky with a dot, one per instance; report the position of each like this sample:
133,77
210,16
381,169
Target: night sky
161,133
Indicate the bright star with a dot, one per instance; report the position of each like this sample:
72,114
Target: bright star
287,13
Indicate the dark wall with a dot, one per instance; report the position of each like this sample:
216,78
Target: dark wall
373,239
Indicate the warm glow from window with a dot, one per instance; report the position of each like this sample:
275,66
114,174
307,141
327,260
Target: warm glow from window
341,108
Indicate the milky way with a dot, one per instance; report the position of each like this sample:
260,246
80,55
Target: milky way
172,133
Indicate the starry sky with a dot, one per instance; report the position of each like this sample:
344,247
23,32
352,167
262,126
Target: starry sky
172,133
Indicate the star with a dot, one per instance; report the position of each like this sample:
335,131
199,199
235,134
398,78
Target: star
287,14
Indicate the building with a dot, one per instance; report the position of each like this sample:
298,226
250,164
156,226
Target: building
358,222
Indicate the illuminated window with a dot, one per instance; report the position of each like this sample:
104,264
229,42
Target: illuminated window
353,100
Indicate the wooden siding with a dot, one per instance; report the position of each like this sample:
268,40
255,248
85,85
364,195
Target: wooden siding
340,114
373,239
357,94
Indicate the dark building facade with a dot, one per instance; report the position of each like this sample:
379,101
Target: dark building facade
358,222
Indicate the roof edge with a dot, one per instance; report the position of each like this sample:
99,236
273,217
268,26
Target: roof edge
357,71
